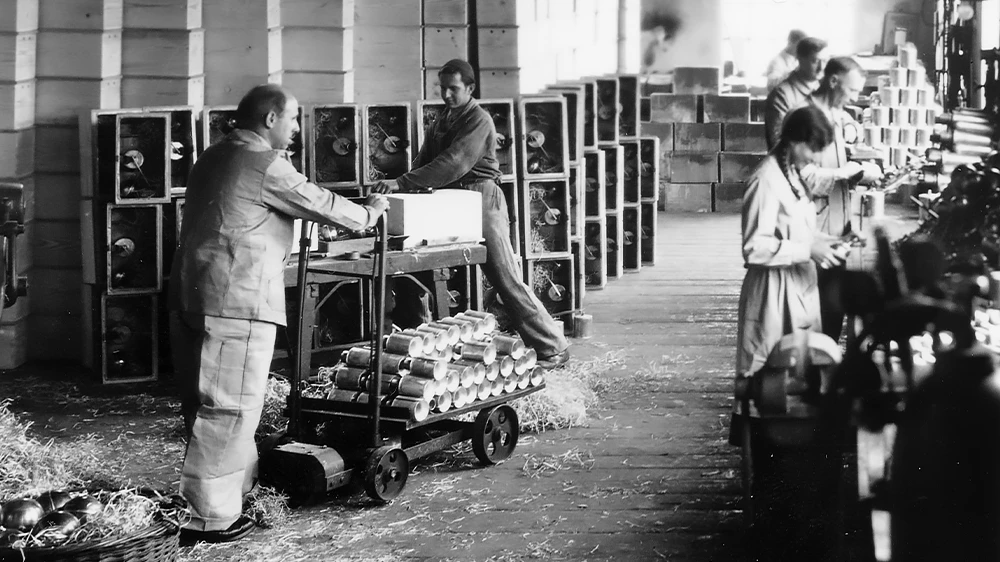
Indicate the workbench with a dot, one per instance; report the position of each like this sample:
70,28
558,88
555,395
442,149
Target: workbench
333,268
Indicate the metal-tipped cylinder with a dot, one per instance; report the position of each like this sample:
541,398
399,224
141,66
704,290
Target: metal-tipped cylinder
497,388
510,383
454,332
956,137
416,387
459,398
485,389
488,317
454,381
441,338
477,371
429,341
478,325
493,371
441,386
350,378
446,354
468,378
444,401
427,368
523,380
506,364
526,362
362,357
466,329
536,376
404,344
509,345
531,357
960,117
483,352
418,408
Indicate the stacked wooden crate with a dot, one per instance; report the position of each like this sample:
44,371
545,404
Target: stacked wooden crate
242,48
445,36
388,53
317,49
163,53
715,147
504,30
18,37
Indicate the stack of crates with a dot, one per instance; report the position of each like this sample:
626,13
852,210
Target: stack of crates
713,146
134,169
544,202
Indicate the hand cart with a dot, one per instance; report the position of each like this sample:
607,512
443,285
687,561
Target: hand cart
371,440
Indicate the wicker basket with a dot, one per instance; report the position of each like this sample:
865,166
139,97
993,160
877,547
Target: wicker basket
159,542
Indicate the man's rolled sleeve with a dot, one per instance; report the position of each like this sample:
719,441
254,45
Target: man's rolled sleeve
290,192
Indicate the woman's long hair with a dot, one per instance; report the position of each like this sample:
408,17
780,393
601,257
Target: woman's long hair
806,125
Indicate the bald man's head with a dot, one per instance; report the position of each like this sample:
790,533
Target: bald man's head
270,111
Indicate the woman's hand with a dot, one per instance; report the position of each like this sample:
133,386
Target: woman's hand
827,254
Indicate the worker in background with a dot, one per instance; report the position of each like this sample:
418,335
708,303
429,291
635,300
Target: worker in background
459,152
792,91
785,62
227,298
781,246
833,176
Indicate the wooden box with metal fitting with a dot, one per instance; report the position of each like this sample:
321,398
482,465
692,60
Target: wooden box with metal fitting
464,289
645,110
647,229
649,168
580,276
614,178
608,114
428,112
589,110
631,171
595,243
122,246
553,282
594,188
575,116
387,145
577,214
543,145
632,241
173,217
628,106
502,113
121,336
219,121
183,142
332,146
125,156
615,243
545,208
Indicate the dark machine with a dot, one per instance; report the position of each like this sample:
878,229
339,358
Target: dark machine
12,285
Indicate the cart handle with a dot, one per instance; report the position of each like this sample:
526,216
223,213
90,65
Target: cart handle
378,330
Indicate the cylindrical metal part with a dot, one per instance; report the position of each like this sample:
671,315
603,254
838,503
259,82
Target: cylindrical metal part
404,344
973,149
454,333
483,352
950,158
917,117
583,324
488,317
907,56
418,408
523,380
466,328
444,401
899,116
537,376
908,97
889,96
508,345
427,368
392,363
531,357
441,338
469,376
428,341
899,156
506,364
497,387
441,386
898,77
915,77
908,136
459,397
454,381
957,117
924,137
485,389
446,354
890,135
417,388
350,378
881,116
493,370
510,383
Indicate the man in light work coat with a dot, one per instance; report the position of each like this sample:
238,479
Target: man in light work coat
785,62
459,152
831,179
791,92
227,298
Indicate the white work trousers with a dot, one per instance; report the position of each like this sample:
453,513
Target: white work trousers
221,365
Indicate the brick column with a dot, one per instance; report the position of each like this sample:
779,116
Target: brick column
78,68
18,39
163,53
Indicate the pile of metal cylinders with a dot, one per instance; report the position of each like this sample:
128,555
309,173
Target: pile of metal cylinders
965,137
439,366
902,121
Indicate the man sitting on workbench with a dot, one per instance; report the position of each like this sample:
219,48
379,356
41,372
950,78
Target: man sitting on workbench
459,152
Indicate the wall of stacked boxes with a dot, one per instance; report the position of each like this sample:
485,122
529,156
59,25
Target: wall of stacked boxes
108,103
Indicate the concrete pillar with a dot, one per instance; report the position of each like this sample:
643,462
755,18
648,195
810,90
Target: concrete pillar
18,40
163,53
78,69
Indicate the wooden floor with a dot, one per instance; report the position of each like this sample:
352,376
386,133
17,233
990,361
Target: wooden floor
654,477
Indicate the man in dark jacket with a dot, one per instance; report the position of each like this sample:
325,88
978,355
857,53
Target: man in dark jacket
459,152
227,298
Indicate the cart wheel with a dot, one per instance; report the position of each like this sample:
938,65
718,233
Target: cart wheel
495,434
385,473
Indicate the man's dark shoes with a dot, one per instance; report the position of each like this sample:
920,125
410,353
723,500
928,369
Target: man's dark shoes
241,528
554,361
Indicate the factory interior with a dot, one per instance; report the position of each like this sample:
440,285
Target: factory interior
499,280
